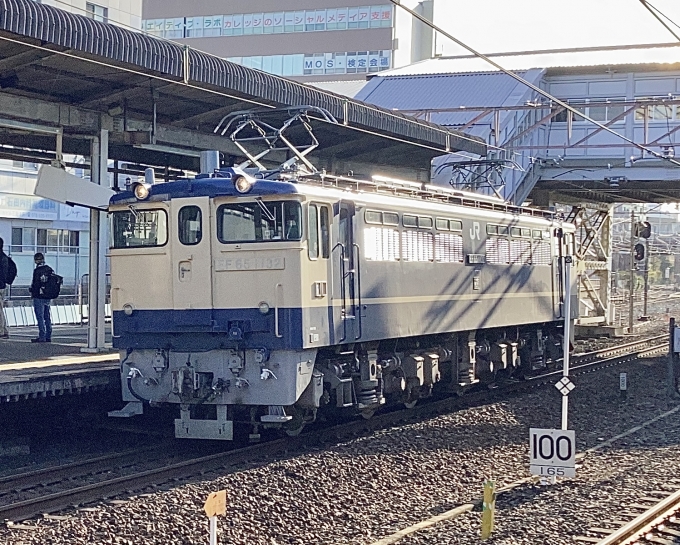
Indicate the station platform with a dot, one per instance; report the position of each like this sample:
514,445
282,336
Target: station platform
32,370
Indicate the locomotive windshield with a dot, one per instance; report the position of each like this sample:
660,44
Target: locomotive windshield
259,221
139,228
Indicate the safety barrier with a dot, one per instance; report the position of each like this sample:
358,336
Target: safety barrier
61,315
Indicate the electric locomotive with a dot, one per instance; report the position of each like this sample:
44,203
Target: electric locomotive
264,297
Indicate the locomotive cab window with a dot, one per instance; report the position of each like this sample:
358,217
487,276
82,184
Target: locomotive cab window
189,227
259,221
134,228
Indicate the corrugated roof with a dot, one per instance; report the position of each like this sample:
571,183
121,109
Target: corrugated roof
626,55
428,92
118,47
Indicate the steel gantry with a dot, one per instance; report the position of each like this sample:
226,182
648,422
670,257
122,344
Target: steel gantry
593,262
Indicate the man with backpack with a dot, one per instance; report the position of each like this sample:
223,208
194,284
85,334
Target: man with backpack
42,291
8,272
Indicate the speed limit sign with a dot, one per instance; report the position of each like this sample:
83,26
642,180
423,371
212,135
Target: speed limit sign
552,452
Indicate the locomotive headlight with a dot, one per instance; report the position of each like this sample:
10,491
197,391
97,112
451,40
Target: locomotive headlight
263,307
128,309
141,191
243,184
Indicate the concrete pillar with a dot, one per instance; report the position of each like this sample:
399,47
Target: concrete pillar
98,228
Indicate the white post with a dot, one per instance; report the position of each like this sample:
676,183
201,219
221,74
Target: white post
567,334
213,530
97,282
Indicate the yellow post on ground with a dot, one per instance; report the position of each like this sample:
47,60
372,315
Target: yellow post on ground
488,508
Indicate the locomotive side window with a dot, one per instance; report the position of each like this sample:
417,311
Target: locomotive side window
325,232
455,225
424,222
390,218
259,221
189,228
313,232
442,224
139,228
410,221
373,216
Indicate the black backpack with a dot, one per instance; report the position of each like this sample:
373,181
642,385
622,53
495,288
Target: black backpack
8,270
11,271
50,287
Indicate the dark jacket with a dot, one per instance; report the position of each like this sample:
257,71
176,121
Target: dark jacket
40,275
4,269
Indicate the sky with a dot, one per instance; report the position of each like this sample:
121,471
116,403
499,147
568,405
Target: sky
492,26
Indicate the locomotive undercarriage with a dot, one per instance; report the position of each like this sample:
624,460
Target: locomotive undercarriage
288,389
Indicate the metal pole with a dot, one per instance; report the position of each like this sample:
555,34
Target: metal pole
646,277
631,280
213,530
567,335
97,280
672,391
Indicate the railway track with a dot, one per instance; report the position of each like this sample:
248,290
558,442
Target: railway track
73,494
658,523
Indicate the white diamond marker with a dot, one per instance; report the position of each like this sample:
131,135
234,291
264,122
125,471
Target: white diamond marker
565,386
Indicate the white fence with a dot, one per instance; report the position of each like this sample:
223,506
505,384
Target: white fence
60,314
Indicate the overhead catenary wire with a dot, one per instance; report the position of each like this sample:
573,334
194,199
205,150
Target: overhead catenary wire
656,12
533,87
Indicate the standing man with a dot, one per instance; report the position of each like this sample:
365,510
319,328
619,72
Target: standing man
4,279
41,302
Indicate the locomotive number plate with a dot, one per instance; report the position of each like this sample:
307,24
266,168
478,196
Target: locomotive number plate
250,263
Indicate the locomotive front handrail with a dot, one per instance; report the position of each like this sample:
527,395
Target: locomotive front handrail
277,334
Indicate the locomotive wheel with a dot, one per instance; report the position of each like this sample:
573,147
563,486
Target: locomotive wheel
294,432
297,424
367,414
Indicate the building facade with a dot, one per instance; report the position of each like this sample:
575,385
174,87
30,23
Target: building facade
310,40
127,13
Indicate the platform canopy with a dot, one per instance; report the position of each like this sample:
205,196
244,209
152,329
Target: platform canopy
161,100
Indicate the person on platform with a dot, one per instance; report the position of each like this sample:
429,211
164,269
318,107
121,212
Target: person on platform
41,303
4,278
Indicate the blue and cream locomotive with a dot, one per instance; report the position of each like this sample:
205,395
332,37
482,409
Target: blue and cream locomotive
261,298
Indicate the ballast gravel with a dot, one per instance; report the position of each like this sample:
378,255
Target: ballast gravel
362,490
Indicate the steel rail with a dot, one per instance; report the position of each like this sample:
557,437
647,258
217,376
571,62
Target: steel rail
54,474
646,522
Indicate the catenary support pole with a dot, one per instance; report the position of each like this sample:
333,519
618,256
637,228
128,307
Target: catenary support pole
96,300
631,280
567,335
646,277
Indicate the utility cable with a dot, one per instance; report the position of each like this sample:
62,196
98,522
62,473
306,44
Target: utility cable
532,86
655,12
